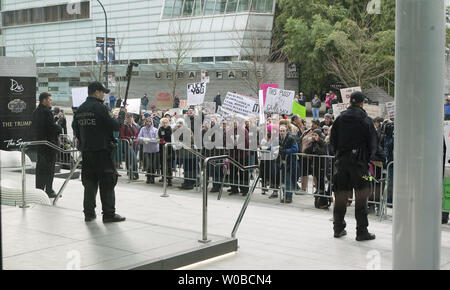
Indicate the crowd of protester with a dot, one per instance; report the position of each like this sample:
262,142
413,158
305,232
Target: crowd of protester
304,151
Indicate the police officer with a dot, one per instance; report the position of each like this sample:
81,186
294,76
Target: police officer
354,139
93,126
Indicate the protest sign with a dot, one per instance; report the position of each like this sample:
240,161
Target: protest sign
261,105
279,101
79,95
240,104
264,88
299,110
196,93
134,106
390,110
345,94
338,108
372,111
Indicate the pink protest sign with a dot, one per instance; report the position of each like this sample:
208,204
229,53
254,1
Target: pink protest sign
264,87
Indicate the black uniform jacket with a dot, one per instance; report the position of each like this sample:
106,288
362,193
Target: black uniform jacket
93,126
353,129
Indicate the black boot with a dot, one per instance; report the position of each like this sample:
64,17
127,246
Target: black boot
365,236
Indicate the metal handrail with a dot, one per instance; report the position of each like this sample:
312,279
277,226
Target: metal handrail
205,195
36,143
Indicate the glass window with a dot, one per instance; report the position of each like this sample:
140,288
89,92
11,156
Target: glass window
177,8
8,18
269,6
85,11
209,7
198,8
231,6
244,5
51,14
64,15
188,7
37,15
220,6
167,13
258,5
22,17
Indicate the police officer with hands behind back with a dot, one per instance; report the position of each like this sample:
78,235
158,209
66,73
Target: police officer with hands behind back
354,139
93,126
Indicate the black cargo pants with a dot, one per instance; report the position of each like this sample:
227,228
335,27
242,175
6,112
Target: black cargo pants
99,172
350,174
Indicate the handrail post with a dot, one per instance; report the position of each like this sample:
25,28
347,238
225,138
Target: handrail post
24,176
205,203
165,170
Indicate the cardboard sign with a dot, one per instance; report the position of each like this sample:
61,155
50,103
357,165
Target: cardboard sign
79,95
240,104
345,94
196,93
279,101
264,88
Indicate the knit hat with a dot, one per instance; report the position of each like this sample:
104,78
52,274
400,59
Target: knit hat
319,132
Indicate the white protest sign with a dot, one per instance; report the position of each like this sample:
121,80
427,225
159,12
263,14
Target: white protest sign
372,111
79,95
134,106
338,108
279,101
239,104
390,110
345,94
196,93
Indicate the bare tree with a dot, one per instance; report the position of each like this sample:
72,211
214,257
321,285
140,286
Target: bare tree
32,48
174,52
258,54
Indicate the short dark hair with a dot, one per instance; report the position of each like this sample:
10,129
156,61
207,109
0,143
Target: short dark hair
43,96
315,121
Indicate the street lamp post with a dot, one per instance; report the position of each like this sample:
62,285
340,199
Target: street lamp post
105,48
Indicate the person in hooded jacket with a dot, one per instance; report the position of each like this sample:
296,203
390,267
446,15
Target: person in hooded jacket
354,138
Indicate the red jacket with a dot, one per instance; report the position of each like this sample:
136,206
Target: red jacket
131,133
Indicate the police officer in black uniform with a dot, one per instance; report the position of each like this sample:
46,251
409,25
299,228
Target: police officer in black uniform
354,139
93,126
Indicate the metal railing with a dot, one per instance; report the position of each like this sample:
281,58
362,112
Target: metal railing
241,167
24,145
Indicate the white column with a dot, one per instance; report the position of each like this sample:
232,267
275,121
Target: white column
418,147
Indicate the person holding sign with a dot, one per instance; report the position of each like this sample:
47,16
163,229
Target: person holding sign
354,138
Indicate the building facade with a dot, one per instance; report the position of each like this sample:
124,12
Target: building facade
171,40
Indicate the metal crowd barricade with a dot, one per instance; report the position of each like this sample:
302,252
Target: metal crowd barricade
67,159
